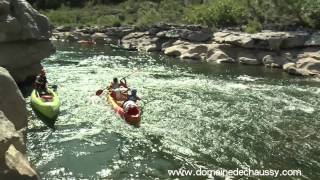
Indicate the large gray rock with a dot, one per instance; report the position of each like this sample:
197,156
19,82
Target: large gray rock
26,31
19,21
217,55
268,40
310,65
13,125
9,135
142,41
18,167
13,162
274,61
12,103
249,61
186,34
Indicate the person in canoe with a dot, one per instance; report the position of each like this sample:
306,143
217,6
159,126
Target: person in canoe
41,83
118,89
130,106
133,96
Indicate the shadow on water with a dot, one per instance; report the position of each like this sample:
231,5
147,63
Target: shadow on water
48,122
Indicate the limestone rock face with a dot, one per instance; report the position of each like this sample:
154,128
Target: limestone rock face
142,41
18,165
310,65
19,21
23,30
13,162
295,52
100,38
249,61
274,61
12,103
268,40
217,55
9,135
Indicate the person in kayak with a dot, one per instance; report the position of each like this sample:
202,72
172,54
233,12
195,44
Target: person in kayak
118,90
130,106
41,83
133,96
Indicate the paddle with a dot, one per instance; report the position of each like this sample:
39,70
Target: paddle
100,91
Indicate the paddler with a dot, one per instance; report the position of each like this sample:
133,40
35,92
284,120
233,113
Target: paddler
130,106
117,89
41,83
133,96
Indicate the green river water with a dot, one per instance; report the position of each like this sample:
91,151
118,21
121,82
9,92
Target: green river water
195,116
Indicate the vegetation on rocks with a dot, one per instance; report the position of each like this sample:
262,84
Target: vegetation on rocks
255,14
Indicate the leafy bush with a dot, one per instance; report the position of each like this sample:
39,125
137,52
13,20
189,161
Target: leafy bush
148,15
253,27
220,13
213,13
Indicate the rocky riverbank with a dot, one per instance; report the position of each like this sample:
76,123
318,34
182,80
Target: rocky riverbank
297,53
24,42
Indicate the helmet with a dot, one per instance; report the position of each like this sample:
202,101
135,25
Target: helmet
115,80
42,72
134,91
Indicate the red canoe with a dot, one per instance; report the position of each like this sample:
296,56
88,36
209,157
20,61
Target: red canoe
129,117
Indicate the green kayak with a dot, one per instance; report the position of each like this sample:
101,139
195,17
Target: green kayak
47,105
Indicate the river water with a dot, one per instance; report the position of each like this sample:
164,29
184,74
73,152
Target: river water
195,116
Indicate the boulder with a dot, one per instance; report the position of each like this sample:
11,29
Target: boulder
13,162
309,65
227,60
18,166
287,66
12,103
217,55
173,51
233,38
64,28
188,33
274,61
314,55
22,22
29,53
9,135
100,38
268,40
193,56
177,49
26,31
248,57
294,40
249,61
131,41
298,72
197,36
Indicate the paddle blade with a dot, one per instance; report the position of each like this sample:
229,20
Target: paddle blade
99,92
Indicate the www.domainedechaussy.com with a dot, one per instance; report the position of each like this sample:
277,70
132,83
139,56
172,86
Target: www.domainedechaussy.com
236,172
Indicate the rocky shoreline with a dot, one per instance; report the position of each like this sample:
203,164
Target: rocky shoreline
24,42
297,53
